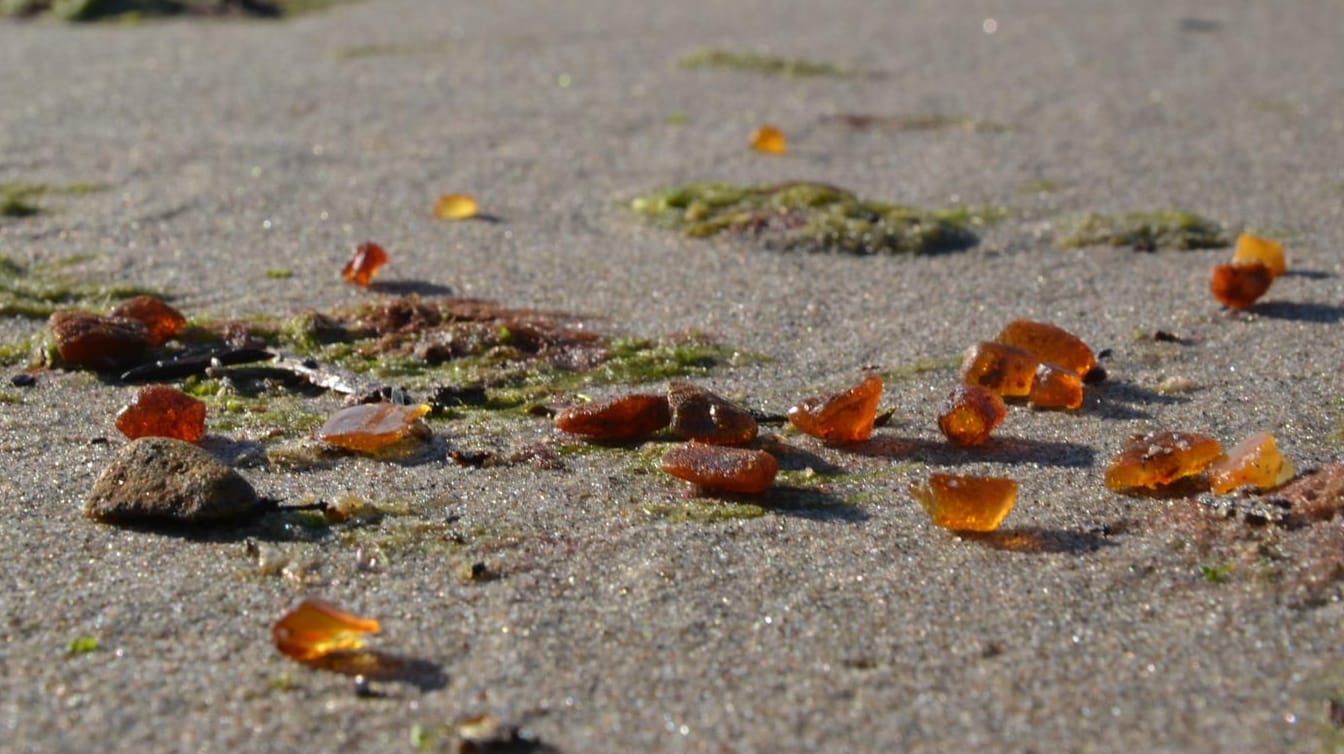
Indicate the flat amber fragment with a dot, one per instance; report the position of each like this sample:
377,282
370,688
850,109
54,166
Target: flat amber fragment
966,503
455,207
847,416
739,470
1269,253
1160,458
698,414
315,629
1240,285
628,417
1049,343
1003,369
970,414
769,139
1254,462
1056,387
163,411
371,427
161,321
364,264
85,339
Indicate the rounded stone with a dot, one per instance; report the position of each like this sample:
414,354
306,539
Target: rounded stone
163,480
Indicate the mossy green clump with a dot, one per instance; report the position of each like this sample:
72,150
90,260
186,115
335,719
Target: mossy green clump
38,291
82,645
1146,231
131,10
769,65
813,217
279,273
704,511
21,199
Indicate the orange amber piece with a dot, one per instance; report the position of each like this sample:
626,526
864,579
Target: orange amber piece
315,629
455,207
628,417
163,411
841,417
1056,387
161,321
1006,370
698,414
966,503
1240,285
1160,458
371,427
1254,462
1049,343
970,414
1269,253
769,139
364,264
85,339
739,470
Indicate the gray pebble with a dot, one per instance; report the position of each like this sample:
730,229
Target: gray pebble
159,479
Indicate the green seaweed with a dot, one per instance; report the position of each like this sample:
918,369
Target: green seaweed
279,273
1171,229
703,511
82,645
769,65
1216,574
20,199
37,292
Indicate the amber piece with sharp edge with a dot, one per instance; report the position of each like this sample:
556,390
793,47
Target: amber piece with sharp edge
364,264
315,629
846,416
163,411
371,427
85,339
455,207
739,470
698,414
1254,462
627,417
1006,370
1157,459
1269,253
966,503
1056,387
1049,343
161,321
1240,285
769,139
970,414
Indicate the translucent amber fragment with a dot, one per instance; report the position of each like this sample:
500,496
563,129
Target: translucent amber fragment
769,139
371,427
1254,462
739,470
966,503
1056,387
1240,285
161,321
364,264
628,417
1049,343
1269,253
1160,458
1003,369
314,629
970,414
847,416
163,411
455,207
85,339
698,414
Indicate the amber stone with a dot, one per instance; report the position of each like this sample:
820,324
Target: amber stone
314,629
161,321
371,427
713,467
1004,369
1049,343
1240,285
455,207
966,503
1157,459
846,416
627,417
85,339
163,411
1253,249
769,139
1056,387
364,264
1254,462
970,414
698,414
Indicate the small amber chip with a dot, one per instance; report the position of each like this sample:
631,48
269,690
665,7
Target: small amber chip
85,339
364,264
161,321
1269,253
1254,462
1240,285
1160,458
163,411
371,427
627,417
455,207
970,414
769,139
847,416
1004,369
1056,387
1049,343
315,629
966,503
698,414
739,470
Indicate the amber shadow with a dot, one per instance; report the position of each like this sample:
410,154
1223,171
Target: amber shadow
407,287
384,667
1295,312
1114,399
1011,450
1032,540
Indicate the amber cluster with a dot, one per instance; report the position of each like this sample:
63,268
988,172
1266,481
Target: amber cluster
1255,264
104,343
1159,459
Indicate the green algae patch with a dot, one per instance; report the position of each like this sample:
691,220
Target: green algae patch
918,122
279,273
812,217
1143,231
22,199
82,645
768,65
703,511
35,292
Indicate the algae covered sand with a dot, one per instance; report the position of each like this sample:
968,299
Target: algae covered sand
1144,231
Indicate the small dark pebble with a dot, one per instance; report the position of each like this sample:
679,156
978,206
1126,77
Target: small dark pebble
1163,336
365,690
541,412
1105,353
455,396
23,379
1095,375
1336,712
883,418
471,458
